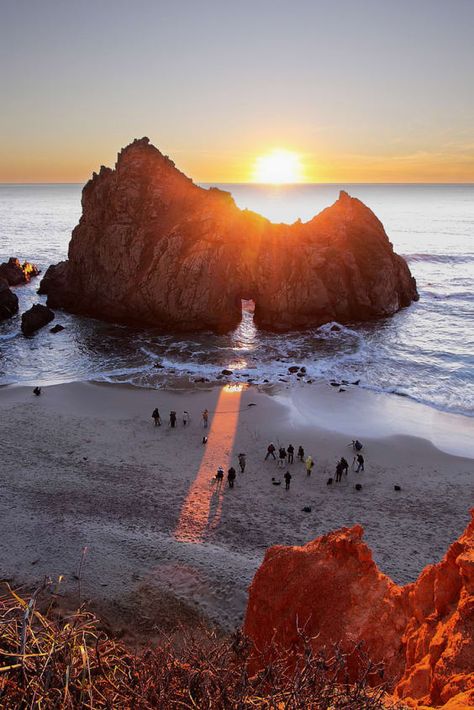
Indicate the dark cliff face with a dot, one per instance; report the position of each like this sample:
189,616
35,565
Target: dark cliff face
153,248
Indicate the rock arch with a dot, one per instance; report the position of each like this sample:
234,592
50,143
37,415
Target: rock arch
153,248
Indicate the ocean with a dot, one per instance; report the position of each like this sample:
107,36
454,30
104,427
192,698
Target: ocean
425,352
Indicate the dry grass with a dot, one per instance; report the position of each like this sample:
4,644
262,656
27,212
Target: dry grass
69,663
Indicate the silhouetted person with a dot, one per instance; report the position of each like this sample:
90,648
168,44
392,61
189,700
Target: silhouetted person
300,453
156,417
281,456
242,462
287,478
339,470
37,391
205,418
270,451
360,463
345,465
291,451
356,445
185,418
172,419
309,463
231,476
219,476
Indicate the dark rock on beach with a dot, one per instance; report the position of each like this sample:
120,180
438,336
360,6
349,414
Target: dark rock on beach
293,369
56,328
153,248
35,318
8,301
16,273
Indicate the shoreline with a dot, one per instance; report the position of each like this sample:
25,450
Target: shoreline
84,467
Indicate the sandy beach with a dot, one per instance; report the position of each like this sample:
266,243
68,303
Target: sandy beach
84,467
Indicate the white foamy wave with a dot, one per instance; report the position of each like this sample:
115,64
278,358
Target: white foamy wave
440,258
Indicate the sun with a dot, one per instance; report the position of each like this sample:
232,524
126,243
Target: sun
279,166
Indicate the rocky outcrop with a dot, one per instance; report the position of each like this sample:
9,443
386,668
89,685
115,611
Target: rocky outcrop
152,247
16,273
35,318
8,301
331,588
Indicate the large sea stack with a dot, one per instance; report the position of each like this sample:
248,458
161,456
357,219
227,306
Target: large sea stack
153,248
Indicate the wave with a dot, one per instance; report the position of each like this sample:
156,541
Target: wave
440,258
400,392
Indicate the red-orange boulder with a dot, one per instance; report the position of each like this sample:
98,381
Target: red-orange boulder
332,589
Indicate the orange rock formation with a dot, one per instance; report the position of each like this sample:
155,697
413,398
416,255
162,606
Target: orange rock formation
332,588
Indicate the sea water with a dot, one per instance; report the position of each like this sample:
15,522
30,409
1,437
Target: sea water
425,352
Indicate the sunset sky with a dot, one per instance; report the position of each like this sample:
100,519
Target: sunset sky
359,90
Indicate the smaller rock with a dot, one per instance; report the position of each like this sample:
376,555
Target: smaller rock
159,366
358,486
300,374
16,273
306,509
356,382
329,482
397,488
303,370
35,318
293,369
341,389
335,384
227,372
56,328
335,328
8,301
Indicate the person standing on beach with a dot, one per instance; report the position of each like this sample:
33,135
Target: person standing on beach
287,478
156,417
291,451
242,462
309,465
300,454
219,476
172,419
270,450
339,470
344,465
231,476
185,418
205,418
360,462
281,457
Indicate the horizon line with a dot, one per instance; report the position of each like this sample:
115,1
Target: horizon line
259,184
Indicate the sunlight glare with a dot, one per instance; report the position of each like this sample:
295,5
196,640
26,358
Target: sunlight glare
278,167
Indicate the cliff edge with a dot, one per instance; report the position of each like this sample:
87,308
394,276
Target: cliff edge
332,588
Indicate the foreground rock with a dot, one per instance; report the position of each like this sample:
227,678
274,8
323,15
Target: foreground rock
153,248
8,301
16,273
35,318
332,589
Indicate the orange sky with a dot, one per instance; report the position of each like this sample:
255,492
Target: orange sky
362,92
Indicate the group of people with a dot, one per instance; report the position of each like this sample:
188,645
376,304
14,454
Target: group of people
231,473
173,419
286,456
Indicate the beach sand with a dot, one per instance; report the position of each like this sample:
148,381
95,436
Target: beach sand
82,466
